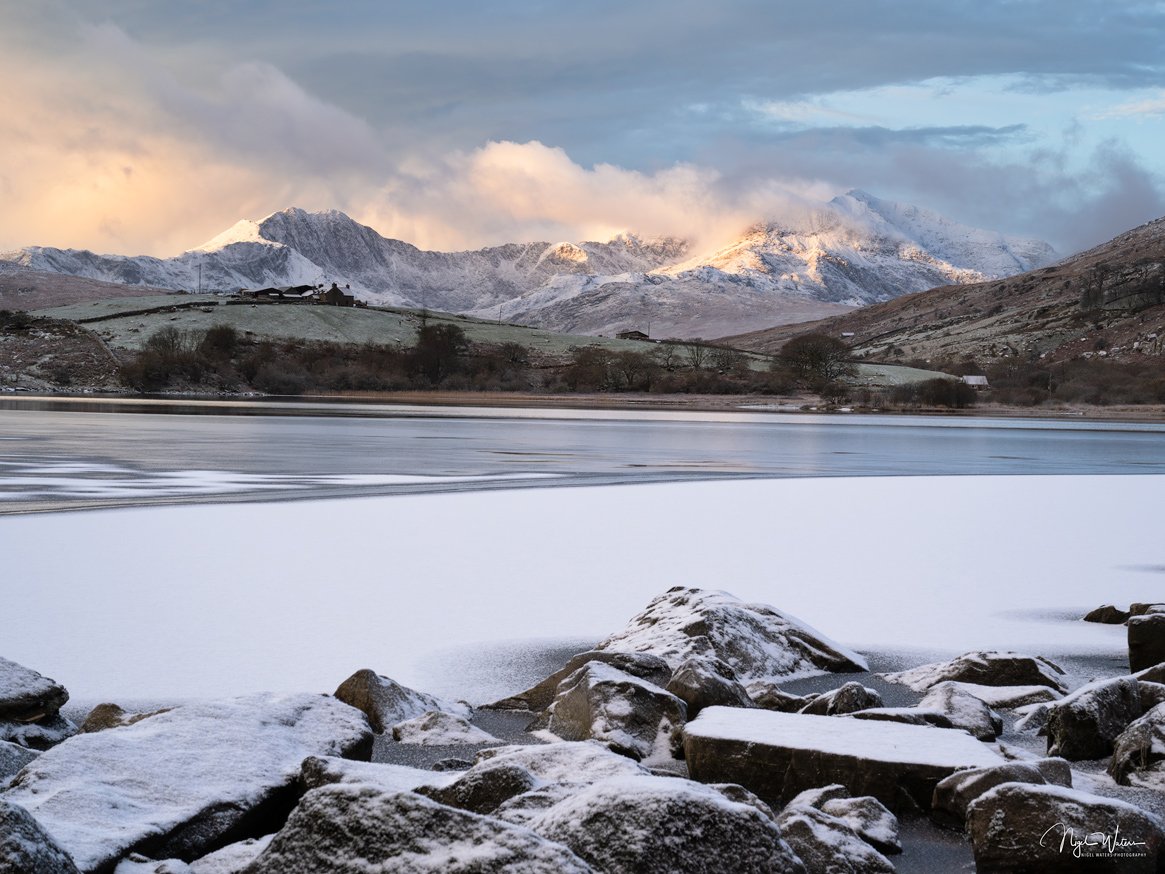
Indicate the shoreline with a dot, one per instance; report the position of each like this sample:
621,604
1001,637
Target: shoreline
356,404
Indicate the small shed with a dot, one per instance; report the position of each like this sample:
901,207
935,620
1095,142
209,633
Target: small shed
975,381
631,335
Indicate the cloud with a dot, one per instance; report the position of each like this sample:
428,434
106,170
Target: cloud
1150,106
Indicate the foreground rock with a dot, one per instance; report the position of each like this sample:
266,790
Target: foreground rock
343,829
826,843
647,667
25,847
1085,724
664,825
631,716
987,669
757,641
704,682
30,706
1138,757
183,783
848,699
963,709
1146,640
105,716
1108,615
778,755
436,728
13,757
1018,827
955,794
386,702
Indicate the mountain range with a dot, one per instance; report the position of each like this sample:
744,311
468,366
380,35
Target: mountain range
1107,302
852,251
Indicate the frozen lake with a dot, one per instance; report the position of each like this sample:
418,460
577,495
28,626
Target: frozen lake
109,453
406,557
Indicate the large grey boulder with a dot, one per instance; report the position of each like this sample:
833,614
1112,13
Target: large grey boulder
437,728
848,699
1019,827
1085,724
770,696
386,702
778,755
757,641
30,705
25,847
344,829
629,715
1138,757
987,668
707,682
827,843
647,667
871,820
182,783
1146,641
665,825
1108,615
13,757
963,709
484,787
954,795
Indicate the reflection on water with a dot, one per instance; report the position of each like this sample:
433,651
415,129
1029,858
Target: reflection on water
63,454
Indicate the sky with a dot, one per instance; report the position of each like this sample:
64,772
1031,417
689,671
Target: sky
148,126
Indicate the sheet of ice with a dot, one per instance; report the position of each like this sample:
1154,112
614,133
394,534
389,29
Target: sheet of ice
222,599
865,739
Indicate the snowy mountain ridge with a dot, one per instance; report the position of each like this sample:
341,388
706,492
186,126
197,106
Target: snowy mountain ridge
854,250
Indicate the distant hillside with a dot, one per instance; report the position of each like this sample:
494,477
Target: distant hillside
1108,302
22,290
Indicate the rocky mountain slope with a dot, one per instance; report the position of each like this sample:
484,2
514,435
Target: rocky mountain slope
1106,302
853,251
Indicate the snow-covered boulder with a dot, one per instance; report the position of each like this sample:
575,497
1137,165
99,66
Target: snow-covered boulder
1138,756
178,784
1146,640
867,816
386,702
1008,697
564,762
665,825
777,755
1084,725
484,787
707,682
905,716
1049,829
827,843
630,715
30,705
232,858
13,757
770,696
963,709
342,829
647,667
437,728
837,702
954,795
757,641
26,848
987,669
318,771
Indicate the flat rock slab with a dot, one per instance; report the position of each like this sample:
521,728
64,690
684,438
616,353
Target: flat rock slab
778,755
183,783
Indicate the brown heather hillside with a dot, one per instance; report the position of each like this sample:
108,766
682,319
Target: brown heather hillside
1106,303
23,290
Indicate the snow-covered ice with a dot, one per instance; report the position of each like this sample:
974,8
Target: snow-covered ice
215,600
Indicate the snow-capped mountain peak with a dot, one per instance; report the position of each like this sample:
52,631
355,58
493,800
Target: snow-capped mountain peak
853,250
